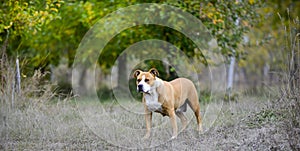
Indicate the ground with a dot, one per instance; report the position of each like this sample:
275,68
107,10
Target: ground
250,123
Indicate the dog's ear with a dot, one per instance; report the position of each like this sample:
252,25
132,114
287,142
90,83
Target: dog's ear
154,72
136,73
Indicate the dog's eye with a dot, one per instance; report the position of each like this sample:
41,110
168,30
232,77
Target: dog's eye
138,80
146,80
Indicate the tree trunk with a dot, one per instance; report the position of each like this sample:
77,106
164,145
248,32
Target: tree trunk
230,77
82,82
230,73
294,70
122,71
266,78
3,63
18,77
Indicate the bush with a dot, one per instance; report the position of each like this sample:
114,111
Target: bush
104,93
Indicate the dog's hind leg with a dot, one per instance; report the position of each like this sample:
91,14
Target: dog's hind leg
179,113
195,106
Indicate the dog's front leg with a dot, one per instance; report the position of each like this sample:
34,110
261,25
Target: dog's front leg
148,118
173,123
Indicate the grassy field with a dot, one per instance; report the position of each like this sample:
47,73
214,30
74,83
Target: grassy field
250,123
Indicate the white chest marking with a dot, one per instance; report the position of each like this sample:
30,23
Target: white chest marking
152,102
152,99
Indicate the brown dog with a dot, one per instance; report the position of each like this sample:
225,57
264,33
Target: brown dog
167,98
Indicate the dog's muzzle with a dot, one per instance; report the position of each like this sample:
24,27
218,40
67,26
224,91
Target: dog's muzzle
140,88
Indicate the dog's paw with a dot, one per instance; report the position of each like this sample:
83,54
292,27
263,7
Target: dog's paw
173,137
199,128
147,136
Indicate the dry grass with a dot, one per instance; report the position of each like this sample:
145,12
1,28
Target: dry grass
89,125
40,121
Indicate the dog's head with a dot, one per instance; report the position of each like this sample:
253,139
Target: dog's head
145,80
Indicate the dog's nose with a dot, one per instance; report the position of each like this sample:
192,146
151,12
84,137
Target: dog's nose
140,87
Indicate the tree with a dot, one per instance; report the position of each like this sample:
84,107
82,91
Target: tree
59,26
20,21
271,41
220,18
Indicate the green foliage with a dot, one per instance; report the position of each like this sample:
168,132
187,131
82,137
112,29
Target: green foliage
43,33
231,97
64,89
205,96
136,34
104,94
263,117
227,21
20,26
271,41
25,18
